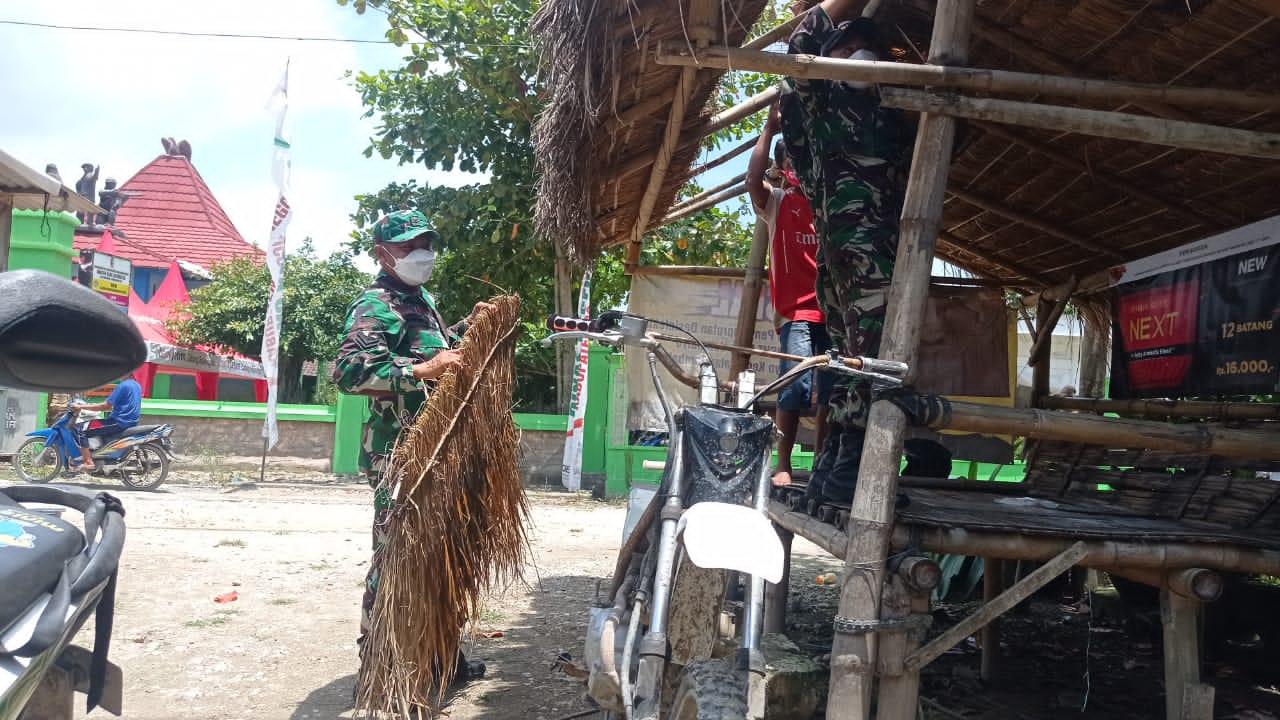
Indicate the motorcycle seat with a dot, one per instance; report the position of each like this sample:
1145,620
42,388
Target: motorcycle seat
139,429
34,547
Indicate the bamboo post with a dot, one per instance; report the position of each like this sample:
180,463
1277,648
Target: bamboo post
900,687
723,158
1044,345
992,586
853,656
1099,123
1178,620
1018,592
565,351
775,595
1048,323
1095,356
658,174
1036,423
744,334
981,79
1169,408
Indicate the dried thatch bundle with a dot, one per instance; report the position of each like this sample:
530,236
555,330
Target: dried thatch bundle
458,523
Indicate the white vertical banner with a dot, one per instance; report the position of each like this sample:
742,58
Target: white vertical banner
571,467
275,260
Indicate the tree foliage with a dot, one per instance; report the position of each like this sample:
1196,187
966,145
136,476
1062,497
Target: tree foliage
465,97
228,312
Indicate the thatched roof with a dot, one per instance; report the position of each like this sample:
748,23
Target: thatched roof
1029,205
608,109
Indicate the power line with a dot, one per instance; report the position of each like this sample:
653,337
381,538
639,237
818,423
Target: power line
183,33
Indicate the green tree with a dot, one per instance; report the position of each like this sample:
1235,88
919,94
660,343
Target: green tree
228,312
466,97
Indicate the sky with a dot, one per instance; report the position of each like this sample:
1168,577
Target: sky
74,96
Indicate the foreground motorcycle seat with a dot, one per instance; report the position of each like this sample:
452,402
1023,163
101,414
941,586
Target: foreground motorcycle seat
34,547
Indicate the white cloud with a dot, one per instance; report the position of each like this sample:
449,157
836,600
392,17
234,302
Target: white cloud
107,98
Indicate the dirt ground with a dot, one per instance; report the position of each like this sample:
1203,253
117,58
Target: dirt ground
295,551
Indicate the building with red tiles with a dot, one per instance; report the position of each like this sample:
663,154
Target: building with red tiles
168,214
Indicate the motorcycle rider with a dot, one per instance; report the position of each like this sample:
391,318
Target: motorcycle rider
125,405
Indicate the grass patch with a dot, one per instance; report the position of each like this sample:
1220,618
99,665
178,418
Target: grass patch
231,543
283,601
220,617
492,616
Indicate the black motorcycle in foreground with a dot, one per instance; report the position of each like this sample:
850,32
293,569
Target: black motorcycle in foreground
58,336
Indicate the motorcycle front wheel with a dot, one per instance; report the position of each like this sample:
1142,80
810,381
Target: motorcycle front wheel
709,690
144,467
37,462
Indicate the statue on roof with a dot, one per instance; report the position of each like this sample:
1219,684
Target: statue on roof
180,148
86,186
111,198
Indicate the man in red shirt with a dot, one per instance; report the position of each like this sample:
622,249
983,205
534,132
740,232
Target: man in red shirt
793,273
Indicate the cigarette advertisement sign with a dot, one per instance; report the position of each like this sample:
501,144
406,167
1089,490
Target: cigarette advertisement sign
1202,319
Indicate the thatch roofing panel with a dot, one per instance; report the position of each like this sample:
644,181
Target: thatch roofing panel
1129,199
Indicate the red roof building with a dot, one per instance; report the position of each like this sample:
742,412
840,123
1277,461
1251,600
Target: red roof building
170,214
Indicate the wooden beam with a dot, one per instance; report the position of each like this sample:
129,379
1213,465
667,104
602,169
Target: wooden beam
1119,126
1270,7
1112,432
853,656
1103,177
1092,283
1018,592
1195,583
661,160
1022,218
709,192
1040,348
982,79
949,240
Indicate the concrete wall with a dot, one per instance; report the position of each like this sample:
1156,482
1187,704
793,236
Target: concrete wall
194,436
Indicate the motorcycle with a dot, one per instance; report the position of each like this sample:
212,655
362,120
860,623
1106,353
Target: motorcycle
678,635
139,457
53,575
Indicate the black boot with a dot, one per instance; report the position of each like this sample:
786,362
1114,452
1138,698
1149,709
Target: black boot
843,478
823,463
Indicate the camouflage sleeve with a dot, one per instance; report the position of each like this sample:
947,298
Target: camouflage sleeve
454,332
807,39
365,361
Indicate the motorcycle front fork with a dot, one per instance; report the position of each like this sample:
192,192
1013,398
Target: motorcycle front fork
654,647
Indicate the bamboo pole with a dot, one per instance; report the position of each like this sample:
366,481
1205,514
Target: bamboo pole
1119,126
1047,322
1095,356
1179,621
1010,213
947,239
670,139
690,270
1199,584
716,162
1169,408
746,329
708,193
1102,177
684,210
983,79
1018,592
1124,553
1038,424
853,656
1092,283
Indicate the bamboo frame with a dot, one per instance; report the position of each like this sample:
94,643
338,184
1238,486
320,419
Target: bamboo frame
705,194
686,209
983,79
1033,423
1168,408
746,326
1044,338
661,160
1010,213
871,512
947,239
719,160
1100,123
989,611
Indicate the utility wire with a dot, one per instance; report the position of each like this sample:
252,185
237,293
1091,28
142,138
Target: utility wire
184,33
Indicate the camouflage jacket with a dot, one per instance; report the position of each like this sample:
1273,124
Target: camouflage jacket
834,132
388,329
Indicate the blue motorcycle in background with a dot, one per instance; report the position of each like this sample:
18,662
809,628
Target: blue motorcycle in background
139,456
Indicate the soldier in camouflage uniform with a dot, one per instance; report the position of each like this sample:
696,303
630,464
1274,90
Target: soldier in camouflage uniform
396,346
851,156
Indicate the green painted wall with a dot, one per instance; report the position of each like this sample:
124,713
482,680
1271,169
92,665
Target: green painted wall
42,241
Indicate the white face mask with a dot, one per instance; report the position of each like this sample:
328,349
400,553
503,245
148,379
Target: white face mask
415,268
862,54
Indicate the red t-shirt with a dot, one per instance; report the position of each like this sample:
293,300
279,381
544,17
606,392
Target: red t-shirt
793,263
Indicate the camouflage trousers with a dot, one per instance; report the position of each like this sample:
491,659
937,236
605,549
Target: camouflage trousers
382,506
858,245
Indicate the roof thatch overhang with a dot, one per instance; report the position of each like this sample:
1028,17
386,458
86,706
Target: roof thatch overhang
1035,207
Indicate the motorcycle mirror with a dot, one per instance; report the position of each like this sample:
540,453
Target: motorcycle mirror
56,335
